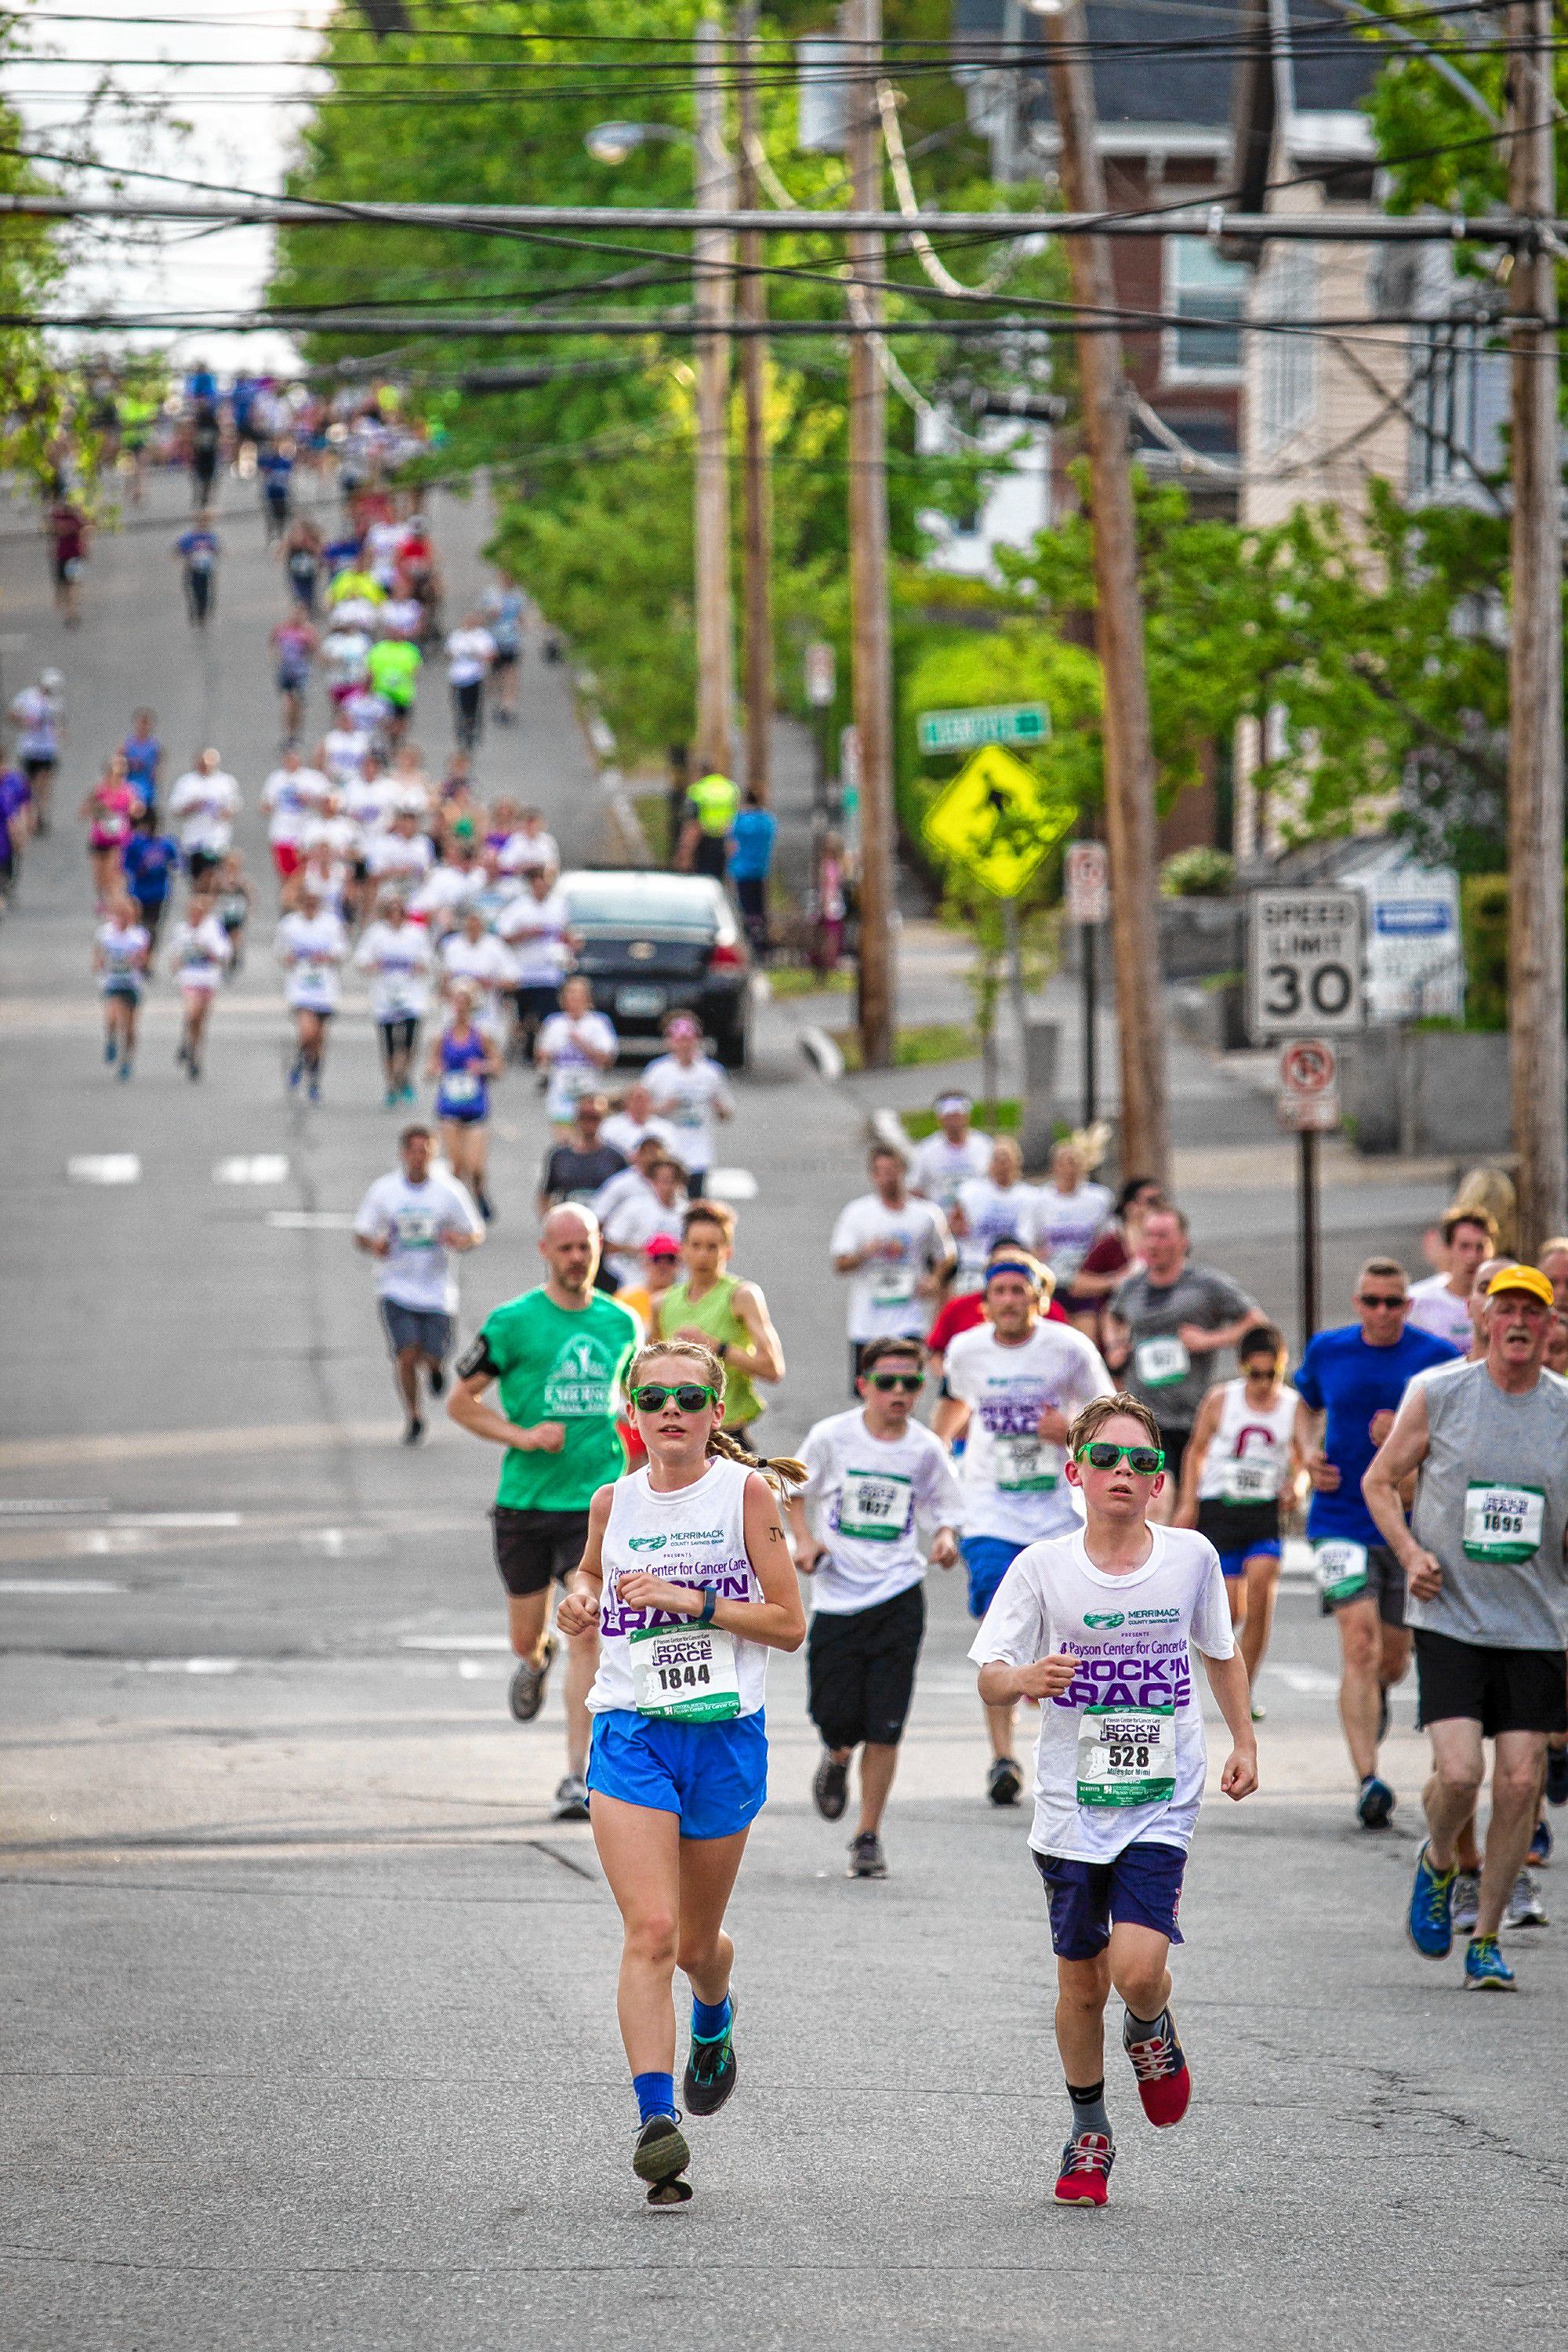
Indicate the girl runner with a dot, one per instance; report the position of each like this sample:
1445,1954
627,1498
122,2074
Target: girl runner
198,950
108,812
119,955
397,955
233,901
574,1047
311,946
678,1766
463,1061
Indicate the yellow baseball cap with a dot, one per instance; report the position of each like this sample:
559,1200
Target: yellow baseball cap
1521,1277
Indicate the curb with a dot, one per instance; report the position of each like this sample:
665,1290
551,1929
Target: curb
601,739
888,1128
822,1054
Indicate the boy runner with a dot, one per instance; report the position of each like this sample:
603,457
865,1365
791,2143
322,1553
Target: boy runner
1484,1552
559,1354
897,1253
1242,1466
1013,1385
1351,1382
1100,1626
873,1475
1442,1303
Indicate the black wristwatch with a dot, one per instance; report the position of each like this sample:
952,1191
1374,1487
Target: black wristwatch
709,1603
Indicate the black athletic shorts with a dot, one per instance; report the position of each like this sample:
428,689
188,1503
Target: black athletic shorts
397,1036
1502,1690
535,1549
1175,1442
860,1670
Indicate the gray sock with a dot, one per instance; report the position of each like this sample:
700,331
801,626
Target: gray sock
1144,2029
1088,2108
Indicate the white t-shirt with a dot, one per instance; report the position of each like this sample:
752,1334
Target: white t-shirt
369,799
398,958
867,1499
884,1297
1131,1635
625,1132
198,952
1066,1225
698,1537
525,852
689,1099
343,749
1012,1479
488,963
417,1271
470,653
1435,1308
391,856
535,930
630,1212
204,808
566,1048
288,796
940,1166
339,833
445,889
993,1212
122,953
311,947
344,651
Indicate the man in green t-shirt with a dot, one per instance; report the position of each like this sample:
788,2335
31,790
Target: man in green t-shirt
559,1354
393,666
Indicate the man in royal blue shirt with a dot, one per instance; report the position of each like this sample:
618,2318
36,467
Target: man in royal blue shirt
1350,1384
751,855
150,860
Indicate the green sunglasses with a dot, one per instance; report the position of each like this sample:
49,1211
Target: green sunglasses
687,1398
1144,1461
887,1381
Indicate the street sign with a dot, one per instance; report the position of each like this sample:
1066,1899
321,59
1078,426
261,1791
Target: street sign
1304,963
1308,1095
1415,956
1085,880
966,730
997,820
821,674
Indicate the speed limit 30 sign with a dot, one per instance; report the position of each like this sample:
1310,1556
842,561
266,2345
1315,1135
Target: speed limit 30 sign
1304,963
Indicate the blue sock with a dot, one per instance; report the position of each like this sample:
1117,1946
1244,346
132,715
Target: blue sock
656,2094
709,2018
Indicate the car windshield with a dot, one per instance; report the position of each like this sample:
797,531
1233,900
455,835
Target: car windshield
640,902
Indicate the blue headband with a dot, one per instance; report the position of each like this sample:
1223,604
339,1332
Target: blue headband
1031,1274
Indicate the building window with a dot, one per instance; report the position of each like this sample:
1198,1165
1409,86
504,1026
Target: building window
1288,362
1207,295
1458,405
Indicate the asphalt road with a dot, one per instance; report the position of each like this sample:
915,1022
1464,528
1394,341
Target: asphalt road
312,2037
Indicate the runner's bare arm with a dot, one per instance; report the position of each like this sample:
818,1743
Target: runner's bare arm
466,1407
1309,1435
950,1418
1003,1685
1399,1457
763,1359
1185,1513
1228,1678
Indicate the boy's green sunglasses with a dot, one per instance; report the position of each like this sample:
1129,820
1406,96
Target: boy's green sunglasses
1144,1461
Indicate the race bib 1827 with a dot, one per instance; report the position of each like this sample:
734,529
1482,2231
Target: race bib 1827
877,1506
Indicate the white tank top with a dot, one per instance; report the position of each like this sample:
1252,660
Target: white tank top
694,1537
1249,1453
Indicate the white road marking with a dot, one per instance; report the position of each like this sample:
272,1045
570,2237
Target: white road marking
1311,1680
730,1184
176,1520
191,1667
311,1221
104,1168
21,1511
58,1585
258,1168
455,1642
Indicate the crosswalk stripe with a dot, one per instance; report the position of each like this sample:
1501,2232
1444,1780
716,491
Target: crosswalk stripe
104,1168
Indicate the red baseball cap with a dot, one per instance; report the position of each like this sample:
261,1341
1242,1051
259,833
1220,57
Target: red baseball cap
661,1245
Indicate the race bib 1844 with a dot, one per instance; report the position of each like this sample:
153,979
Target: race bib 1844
684,1675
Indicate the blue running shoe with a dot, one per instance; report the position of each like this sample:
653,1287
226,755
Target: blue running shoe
1375,1806
1486,1970
1431,1904
1541,1846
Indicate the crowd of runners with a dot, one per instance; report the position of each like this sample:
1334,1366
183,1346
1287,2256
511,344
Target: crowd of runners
1047,1392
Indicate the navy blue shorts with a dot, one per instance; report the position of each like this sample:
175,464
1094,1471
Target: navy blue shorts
988,1558
1141,1886
416,1326
713,1776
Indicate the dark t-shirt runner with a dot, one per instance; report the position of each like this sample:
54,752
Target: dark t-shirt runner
569,1174
1159,1371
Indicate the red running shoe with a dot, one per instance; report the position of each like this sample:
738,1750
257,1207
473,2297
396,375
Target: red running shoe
1165,2084
1085,2175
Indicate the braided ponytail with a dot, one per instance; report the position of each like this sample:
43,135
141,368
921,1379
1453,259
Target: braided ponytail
780,1470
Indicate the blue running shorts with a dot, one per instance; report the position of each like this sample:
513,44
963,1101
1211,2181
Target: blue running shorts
988,1558
713,1775
1141,1885
1234,1563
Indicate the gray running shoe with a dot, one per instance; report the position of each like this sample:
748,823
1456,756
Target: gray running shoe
1464,1905
1525,1907
526,1694
572,1799
867,1859
1004,1782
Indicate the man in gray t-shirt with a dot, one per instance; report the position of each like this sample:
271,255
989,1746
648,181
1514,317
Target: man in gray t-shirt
1486,1553
1168,1323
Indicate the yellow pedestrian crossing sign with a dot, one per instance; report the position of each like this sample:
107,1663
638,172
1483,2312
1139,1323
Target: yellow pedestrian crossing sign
997,820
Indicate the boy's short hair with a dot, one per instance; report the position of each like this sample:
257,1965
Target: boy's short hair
875,1351
1095,1415
1481,1219
1264,1339
711,1212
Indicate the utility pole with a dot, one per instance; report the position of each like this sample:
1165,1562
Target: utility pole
1117,621
870,626
710,250
1538,1065
758,528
